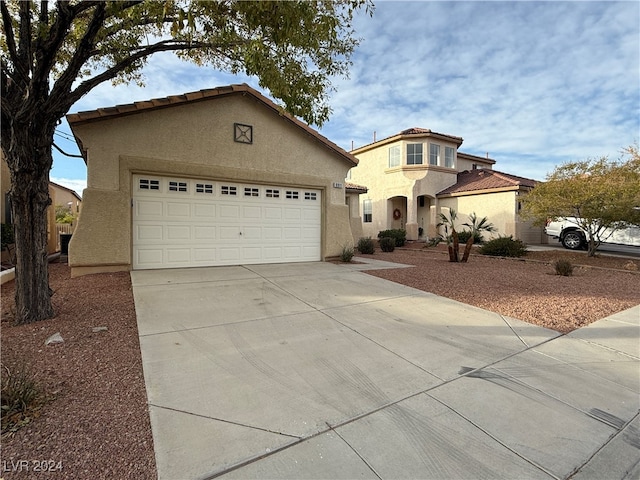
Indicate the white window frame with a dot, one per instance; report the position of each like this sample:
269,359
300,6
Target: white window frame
449,157
434,154
367,211
413,154
395,156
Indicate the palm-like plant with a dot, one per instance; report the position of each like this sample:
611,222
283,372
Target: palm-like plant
448,222
476,226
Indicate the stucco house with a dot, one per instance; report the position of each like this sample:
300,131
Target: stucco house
66,198
217,177
6,214
413,175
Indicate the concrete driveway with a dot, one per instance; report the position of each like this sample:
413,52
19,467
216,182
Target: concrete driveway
318,370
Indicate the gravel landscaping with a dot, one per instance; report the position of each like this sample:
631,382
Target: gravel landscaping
93,421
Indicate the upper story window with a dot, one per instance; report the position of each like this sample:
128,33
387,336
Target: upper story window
367,211
449,156
394,156
434,154
414,154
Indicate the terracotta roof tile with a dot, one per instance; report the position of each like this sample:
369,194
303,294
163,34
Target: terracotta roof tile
355,188
485,179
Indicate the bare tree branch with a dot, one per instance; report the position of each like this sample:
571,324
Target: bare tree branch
111,73
24,53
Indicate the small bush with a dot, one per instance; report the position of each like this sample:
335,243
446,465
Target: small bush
366,245
8,236
563,267
504,247
20,397
464,235
434,241
347,254
399,234
387,244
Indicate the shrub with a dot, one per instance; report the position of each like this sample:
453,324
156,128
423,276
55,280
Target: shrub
434,241
347,254
464,235
387,244
399,234
504,247
20,396
366,245
563,267
7,234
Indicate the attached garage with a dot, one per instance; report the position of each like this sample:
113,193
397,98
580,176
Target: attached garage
216,177
182,222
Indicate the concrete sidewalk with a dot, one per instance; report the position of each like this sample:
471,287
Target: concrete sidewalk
318,370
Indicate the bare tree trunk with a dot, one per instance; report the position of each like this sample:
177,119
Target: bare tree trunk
467,249
455,256
29,159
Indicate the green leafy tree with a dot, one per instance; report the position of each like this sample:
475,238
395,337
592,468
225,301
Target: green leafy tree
63,215
602,195
54,53
476,226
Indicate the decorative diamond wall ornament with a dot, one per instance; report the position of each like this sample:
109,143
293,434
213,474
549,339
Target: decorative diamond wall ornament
242,133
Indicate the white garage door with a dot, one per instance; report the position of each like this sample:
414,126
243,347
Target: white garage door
179,222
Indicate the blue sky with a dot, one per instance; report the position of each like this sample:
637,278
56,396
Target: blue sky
534,84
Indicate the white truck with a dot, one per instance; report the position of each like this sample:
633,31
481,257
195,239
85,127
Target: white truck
573,237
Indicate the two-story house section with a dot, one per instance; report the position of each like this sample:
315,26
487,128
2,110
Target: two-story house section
403,174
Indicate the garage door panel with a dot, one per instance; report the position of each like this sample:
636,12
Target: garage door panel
229,254
204,232
148,232
204,210
230,212
272,253
181,256
181,210
178,232
150,258
291,233
273,213
252,212
149,209
206,255
252,254
186,222
252,233
229,233
272,233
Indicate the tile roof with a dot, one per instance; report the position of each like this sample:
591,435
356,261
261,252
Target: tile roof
353,188
67,189
158,103
485,179
414,131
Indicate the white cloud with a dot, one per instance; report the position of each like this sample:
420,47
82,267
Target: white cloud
535,84
75,184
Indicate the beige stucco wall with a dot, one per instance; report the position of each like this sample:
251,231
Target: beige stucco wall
5,185
67,199
196,140
501,209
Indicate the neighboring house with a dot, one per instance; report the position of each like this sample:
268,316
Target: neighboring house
5,208
413,175
495,195
216,177
67,198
